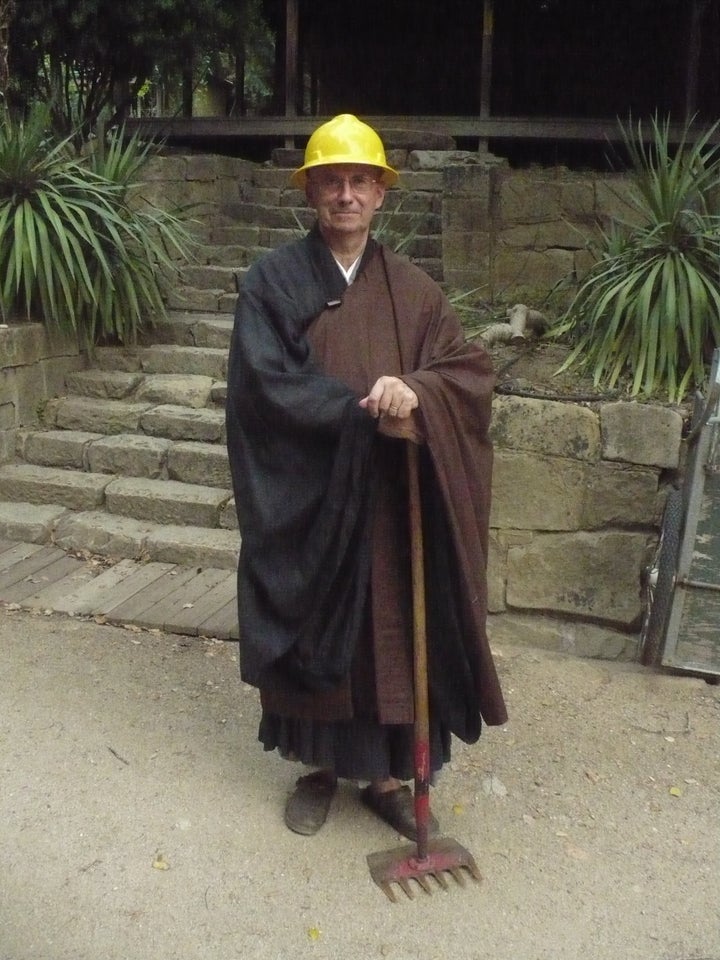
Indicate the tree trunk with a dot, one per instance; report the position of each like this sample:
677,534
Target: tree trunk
7,9
692,63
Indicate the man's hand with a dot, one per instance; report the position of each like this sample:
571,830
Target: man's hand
393,401
391,396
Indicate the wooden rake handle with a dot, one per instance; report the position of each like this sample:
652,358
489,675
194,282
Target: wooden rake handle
420,668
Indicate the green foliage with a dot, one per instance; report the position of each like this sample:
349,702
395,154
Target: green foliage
650,306
78,247
92,60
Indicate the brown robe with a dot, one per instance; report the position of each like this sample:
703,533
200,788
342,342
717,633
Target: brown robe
394,320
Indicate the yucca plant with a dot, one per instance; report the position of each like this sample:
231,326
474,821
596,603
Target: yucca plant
650,306
76,248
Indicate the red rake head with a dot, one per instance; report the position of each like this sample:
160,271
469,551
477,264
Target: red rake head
401,866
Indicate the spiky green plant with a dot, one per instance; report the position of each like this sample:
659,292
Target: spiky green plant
75,250
650,306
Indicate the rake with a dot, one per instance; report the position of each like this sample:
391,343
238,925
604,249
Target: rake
425,862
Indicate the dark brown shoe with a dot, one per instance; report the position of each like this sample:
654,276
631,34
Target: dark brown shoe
397,807
308,805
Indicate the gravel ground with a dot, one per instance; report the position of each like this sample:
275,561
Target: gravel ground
141,819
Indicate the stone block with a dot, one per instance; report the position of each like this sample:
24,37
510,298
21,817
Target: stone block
199,463
105,384
537,493
104,534
526,198
28,522
531,273
466,215
578,199
97,416
49,485
641,433
201,167
590,576
188,390
193,546
184,423
469,181
612,200
546,427
55,448
130,455
618,495
202,361
165,501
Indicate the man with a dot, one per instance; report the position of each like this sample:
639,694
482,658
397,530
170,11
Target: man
342,353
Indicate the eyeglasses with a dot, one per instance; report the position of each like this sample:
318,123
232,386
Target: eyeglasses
331,183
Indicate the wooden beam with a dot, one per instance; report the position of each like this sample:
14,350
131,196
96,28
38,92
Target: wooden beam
291,64
486,66
503,128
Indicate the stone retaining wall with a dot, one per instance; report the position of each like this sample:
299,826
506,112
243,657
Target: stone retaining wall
34,362
577,495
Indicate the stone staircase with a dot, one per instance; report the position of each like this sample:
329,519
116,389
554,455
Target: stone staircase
131,462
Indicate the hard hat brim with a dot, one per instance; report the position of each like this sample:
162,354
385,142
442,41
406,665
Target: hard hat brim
299,177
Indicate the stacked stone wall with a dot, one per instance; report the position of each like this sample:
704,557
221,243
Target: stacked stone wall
34,362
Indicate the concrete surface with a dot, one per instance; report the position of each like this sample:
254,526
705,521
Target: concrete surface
140,818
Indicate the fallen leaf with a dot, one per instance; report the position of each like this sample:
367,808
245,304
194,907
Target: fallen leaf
592,776
160,863
458,809
675,792
314,933
188,606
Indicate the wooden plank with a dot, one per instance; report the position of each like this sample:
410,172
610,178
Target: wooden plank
133,610
17,553
46,598
171,611
505,128
188,618
223,624
162,613
58,569
145,575
28,566
84,600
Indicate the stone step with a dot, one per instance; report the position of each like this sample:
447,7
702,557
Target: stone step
200,300
192,329
159,502
112,417
164,358
127,455
190,390
112,535
210,276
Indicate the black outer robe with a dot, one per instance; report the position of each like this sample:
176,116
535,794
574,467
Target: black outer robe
303,459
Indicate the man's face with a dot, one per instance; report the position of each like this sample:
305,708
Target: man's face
345,197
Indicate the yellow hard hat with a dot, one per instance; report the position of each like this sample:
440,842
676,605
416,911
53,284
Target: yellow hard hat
344,139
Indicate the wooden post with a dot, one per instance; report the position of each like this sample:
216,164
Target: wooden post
291,62
486,67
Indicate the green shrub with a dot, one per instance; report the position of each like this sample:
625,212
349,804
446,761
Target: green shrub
76,248
650,306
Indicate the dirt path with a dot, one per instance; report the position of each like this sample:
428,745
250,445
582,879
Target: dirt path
141,819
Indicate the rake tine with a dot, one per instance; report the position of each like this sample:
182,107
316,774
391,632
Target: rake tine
458,874
407,888
424,884
441,879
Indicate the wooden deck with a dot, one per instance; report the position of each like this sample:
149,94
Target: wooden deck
164,596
